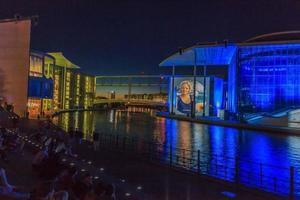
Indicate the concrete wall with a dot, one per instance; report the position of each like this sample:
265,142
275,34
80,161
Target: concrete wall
14,63
294,118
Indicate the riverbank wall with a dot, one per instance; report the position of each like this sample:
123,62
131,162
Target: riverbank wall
233,124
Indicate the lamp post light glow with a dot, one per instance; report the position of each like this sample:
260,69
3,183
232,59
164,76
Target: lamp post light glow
127,194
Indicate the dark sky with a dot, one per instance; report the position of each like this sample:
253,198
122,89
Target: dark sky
134,36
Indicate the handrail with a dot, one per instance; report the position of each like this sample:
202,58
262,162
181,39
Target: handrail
275,179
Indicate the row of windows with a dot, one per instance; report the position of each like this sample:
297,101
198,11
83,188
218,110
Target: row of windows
276,60
269,77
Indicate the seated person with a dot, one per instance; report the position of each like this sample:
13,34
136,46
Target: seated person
84,186
110,192
65,181
45,190
9,191
39,158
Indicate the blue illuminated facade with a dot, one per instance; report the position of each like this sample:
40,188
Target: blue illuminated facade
263,73
269,77
40,87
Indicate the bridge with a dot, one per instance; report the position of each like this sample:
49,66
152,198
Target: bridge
102,103
132,90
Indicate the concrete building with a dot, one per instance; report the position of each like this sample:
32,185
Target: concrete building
14,63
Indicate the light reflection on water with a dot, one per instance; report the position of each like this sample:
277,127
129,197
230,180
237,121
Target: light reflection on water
143,124
273,149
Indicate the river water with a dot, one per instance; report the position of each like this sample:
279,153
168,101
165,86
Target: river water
260,147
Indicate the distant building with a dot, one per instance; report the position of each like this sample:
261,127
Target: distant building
38,83
56,84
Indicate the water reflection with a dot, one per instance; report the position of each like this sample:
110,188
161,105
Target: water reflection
83,121
226,142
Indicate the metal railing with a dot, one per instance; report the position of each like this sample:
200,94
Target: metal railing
273,179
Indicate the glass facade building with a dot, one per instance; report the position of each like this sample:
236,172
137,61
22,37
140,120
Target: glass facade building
40,84
269,77
263,73
56,84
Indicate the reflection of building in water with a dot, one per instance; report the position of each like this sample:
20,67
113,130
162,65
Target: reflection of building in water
160,129
184,135
83,121
65,121
88,125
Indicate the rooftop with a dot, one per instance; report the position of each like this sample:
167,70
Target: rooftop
277,36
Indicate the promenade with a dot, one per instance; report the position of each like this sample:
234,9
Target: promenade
134,177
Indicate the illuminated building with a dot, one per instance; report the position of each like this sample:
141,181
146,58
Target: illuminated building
262,73
14,63
56,84
40,86
38,83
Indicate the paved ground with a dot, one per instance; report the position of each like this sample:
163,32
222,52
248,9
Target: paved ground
161,182
131,173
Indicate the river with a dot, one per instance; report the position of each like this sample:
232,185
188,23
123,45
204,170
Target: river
260,147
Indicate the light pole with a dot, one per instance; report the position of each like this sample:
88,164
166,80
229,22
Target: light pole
204,89
172,89
193,108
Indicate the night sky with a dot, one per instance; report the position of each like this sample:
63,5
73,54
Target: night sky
134,36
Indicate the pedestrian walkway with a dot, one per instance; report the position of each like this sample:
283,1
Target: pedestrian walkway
137,178
161,182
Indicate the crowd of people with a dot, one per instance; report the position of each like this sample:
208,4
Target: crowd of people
57,180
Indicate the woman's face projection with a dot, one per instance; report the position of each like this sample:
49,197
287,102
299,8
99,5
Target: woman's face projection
185,89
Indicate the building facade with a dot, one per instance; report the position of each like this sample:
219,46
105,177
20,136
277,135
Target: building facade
56,84
40,85
36,84
263,73
14,63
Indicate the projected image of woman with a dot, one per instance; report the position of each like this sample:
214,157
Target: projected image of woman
184,100
185,97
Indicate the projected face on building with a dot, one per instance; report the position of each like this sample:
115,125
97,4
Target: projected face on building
184,96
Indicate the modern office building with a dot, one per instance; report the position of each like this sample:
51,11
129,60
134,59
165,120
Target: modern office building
263,73
56,84
40,85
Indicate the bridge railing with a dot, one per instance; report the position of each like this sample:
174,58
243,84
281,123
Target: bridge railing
141,101
274,179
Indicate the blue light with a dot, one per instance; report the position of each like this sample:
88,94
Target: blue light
40,87
269,77
261,78
217,55
232,85
209,55
218,93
